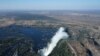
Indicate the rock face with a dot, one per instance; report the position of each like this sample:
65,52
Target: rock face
85,48
83,41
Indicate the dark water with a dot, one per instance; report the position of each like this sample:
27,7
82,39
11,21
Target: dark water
40,36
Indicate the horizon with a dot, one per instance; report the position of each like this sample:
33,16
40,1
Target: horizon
49,5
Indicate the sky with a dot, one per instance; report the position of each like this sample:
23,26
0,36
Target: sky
49,4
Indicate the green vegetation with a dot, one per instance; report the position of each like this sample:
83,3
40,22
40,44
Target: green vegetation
61,49
21,45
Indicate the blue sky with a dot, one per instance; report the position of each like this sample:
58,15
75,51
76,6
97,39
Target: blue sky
49,4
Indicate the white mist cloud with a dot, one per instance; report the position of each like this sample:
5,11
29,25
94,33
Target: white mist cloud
60,34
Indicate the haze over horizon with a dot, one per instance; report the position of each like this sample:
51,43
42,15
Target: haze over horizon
49,5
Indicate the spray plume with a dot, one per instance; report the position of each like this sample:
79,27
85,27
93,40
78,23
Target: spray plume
60,34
